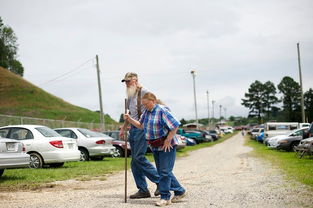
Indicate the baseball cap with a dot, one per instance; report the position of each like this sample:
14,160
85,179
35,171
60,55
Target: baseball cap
129,76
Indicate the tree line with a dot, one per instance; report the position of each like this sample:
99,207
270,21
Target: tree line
8,50
266,102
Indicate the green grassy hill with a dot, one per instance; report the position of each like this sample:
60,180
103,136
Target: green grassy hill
19,97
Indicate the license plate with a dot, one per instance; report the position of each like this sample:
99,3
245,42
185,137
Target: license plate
11,146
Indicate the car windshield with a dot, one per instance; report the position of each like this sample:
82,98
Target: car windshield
87,133
45,131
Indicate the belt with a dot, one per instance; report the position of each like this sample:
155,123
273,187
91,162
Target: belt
157,142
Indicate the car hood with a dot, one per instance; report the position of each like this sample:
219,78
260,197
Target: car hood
276,138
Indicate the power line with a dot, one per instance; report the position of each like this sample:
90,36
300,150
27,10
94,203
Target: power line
58,78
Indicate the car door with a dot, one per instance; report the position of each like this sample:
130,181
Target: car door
23,135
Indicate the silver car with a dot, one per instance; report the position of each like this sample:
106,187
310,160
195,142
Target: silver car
90,144
12,155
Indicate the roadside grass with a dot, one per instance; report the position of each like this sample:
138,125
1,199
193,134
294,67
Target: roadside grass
32,179
295,168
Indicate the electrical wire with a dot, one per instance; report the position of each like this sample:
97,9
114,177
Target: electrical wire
78,68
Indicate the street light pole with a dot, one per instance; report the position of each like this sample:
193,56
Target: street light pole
207,93
220,114
213,101
193,72
225,112
301,87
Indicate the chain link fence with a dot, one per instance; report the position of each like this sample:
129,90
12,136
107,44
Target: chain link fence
16,120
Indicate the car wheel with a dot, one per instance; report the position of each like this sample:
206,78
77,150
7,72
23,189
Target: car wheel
195,140
36,161
119,152
1,172
293,146
56,165
84,155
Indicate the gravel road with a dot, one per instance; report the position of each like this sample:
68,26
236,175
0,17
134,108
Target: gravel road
224,175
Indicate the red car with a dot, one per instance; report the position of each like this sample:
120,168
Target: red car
118,143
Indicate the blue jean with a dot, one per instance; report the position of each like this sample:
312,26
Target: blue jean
141,167
168,182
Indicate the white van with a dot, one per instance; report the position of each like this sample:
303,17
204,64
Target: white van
279,128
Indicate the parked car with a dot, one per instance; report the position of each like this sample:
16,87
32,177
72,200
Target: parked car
310,131
118,143
214,134
206,134
45,146
90,144
12,155
288,141
181,142
256,132
292,140
198,137
305,147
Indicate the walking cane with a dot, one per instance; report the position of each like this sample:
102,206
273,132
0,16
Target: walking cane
125,138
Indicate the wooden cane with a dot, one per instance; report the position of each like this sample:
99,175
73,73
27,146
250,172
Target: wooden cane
125,153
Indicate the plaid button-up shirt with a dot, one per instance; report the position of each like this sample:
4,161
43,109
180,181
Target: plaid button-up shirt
158,122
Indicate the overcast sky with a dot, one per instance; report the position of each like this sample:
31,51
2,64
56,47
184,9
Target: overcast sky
230,44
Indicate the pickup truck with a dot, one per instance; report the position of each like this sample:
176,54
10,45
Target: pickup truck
197,136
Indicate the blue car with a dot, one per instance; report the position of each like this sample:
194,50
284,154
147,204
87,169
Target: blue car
260,137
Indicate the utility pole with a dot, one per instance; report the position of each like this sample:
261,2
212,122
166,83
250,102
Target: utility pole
300,75
213,101
100,96
220,114
193,72
207,93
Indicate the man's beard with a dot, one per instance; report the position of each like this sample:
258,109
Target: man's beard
131,91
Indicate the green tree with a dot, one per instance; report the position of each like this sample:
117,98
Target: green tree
308,104
121,118
269,98
254,99
291,98
8,50
183,122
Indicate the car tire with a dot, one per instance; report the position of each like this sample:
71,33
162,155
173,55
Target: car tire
84,155
293,145
36,161
1,172
119,151
56,165
196,141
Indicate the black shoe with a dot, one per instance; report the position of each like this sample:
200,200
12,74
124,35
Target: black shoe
157,192
140,195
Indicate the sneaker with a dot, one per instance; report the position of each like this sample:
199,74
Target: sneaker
178,198
140,195
157,192
162,203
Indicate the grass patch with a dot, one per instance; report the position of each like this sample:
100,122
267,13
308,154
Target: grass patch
299,169
31,179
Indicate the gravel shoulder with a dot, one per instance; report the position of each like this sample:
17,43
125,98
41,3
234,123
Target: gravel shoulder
225,175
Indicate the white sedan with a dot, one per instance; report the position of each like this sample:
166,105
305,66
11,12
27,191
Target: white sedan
45,146
90,144
12,155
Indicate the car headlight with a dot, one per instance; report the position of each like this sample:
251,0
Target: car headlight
283,142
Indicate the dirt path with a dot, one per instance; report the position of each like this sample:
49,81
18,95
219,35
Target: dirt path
221,176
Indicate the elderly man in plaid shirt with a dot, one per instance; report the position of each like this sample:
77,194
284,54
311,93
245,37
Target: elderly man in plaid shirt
160,128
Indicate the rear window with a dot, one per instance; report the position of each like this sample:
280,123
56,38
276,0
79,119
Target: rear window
87,133
47,132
